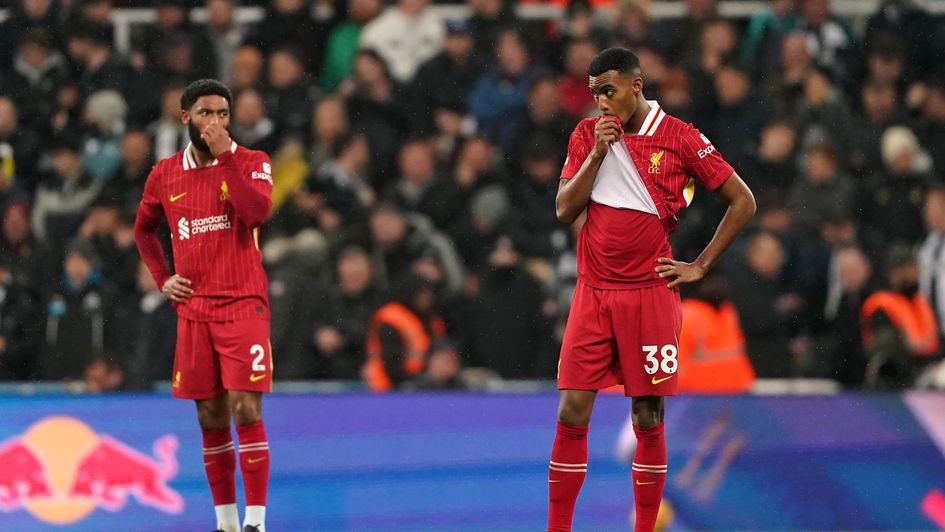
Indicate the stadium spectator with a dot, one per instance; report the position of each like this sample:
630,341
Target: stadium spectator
62,199
757,291
251,126
786,86
829,38
417,165
169,134
576,100
105,113
290,23
773,166
535,227
712,354
761,43
76,315
376,109
400,335
841,342
340,325
545,120
879,111
225,35
506,333
899,328
24,15
343,40
297,267
499,99
406,35
446,79
488,19
20,327
741,114
896,191
822,189
38,72
450,198
125,188
27,259
288,89
399,240
822,114
247,68
19,152
931,125
931,254
173,25
147,333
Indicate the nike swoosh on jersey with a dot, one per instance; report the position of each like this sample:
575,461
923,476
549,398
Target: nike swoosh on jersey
175,197
657,381
256,378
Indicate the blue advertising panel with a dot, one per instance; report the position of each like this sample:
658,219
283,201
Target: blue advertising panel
477,462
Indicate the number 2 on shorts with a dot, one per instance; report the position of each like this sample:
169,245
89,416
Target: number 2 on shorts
260,353
669,364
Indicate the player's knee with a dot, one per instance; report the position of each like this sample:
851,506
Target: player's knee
246,409
647,411
575,412
212,414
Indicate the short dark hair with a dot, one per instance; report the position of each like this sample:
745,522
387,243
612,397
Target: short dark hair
204,87
620,59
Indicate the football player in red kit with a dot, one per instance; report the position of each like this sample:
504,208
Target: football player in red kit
632,169
215,194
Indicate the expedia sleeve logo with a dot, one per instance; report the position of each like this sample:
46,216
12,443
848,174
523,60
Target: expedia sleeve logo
198,226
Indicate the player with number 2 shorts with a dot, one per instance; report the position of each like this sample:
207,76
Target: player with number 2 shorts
214,195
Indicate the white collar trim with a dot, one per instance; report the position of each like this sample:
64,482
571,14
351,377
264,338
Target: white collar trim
652,120
190,162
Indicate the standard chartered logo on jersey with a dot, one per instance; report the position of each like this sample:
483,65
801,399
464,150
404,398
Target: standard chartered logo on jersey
198,226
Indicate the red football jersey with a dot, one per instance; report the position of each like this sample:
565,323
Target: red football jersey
641,185
214,213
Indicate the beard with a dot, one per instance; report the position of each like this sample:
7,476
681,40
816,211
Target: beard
198,142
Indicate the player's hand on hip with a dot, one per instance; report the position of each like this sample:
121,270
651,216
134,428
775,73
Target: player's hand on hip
177,289
217,138
606,132
684,272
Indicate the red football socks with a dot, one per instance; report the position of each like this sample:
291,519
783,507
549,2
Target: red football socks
254,462
219,460
648,475
566,474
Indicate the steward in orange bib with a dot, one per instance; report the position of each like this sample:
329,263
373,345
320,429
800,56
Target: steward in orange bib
712,356
400,335
898,325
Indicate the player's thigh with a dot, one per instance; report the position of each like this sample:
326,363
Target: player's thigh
196,372
646,325
588,350
245,354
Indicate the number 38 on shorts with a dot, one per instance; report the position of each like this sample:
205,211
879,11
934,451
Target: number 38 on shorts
666,360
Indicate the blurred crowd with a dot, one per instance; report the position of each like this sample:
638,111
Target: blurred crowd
413,239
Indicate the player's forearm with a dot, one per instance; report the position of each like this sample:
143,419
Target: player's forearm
740,210
149,247
574,193
251,205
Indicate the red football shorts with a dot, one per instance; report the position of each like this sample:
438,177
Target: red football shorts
214,356
627,337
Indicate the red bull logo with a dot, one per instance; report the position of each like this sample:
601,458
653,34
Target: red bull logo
60,471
